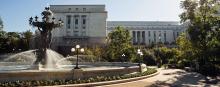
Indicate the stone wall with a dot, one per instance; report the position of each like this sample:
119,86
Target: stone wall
61,74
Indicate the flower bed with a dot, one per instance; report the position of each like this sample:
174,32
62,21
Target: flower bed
78,81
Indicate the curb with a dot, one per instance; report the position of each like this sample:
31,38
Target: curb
104,82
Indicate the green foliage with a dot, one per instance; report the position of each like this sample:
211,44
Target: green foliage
210,69
203,28
188,51
203,25
95,54
3,41
13,41
119,42
1,24
149,58
27,36
75,81
164,56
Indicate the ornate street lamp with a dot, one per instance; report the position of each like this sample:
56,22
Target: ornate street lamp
123,57
158,63
45,26
159,39
140,54
77,53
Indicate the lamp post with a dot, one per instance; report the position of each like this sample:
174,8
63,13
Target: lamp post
13,50
158,65
159,39
123,57
77,53
140,54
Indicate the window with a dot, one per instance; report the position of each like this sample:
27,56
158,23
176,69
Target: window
165,36
83,33
77,9
76,21
76,33
76,27
159,33
138,37
149,33
84,21
143,36
68,33
154,36
177,34
84,27
134,36
68,18
84,9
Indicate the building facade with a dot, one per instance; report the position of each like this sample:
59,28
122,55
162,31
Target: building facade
83,24
149,32
86,25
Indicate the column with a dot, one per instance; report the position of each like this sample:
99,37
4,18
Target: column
136,40
144,37
141,39
138,37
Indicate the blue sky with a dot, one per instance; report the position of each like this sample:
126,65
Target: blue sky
15,13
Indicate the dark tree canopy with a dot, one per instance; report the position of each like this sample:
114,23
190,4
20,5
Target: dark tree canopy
203,22
1,24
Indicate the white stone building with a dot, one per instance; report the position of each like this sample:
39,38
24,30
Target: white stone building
86,25
149,32
83,24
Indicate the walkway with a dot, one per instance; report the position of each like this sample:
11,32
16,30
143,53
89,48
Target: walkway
173,78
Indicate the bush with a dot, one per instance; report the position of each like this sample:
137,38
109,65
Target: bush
149,58
209,70
63,82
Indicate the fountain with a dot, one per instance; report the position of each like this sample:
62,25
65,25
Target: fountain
27,59
45,64
45,27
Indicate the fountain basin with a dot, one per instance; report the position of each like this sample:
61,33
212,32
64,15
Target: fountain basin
66,72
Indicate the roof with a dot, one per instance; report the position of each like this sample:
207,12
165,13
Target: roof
142,23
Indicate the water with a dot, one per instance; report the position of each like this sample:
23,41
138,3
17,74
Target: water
27,58
52,58
70,60
55,61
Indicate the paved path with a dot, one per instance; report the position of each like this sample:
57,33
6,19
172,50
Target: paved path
173,78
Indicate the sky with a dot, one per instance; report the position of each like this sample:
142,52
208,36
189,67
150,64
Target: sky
15,13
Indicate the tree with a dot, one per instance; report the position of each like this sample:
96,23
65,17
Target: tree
3,40
1,24
185,46
119,43
27,36
203,29
13,39
202,23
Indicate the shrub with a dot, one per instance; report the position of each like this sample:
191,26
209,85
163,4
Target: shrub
149,58
209,70
63,82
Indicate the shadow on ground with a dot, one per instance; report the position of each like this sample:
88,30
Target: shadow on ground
187,79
